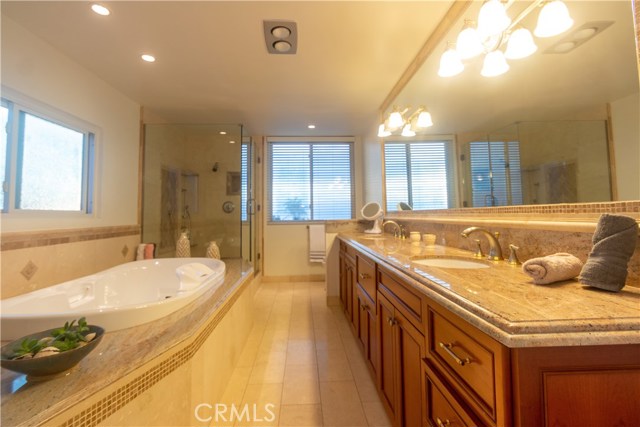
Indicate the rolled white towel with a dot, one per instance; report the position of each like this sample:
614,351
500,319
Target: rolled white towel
552,268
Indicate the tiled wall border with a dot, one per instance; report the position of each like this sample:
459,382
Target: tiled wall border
33,239
631,206
114,401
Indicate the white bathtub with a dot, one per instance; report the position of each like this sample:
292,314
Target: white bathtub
120,297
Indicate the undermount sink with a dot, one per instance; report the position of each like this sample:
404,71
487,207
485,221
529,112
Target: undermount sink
444,262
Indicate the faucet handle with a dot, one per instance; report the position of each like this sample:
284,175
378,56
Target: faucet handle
478,253
513,256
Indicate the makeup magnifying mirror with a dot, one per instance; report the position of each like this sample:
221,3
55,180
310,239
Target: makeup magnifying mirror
373,212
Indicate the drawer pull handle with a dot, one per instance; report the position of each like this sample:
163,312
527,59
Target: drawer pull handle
442,423
363,276
448,348
364,307
391,321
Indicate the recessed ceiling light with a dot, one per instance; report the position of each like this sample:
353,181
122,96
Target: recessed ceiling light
585,33
222,132
311,126
232,142
564,47
100,9
148,58
281,32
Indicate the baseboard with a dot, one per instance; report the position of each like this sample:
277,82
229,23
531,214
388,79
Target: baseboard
303,278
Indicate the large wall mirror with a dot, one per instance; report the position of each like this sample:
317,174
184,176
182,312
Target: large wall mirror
561,126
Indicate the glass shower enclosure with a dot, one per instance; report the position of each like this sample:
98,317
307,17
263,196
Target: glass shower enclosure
197,180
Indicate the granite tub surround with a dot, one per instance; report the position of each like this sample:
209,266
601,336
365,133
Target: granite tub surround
503,302
129,363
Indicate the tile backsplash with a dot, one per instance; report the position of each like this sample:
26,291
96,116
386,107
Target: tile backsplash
37,260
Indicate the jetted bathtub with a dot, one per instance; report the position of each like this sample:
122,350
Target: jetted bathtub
120,297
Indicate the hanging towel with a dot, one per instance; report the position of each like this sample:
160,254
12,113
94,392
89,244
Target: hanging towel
317,245
614,241
552,268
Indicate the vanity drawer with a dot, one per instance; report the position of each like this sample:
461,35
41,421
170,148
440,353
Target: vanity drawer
442,408
366,275
477,364
407,301
348,250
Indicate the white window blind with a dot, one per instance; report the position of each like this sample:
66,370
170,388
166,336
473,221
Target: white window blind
495,173
311,181
244,176
420,173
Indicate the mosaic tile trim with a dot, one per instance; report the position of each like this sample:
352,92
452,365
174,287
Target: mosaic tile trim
562,208
116,400
33,239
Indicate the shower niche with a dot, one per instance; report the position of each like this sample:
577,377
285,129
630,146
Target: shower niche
186,185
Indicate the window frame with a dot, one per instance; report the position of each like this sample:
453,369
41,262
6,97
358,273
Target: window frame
309,141
452,167
18,107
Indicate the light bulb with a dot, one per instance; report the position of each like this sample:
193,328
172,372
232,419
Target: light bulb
424,120
520,44
492,19
468,43
553,19
382,132
406,130
494,64
395,120
450,63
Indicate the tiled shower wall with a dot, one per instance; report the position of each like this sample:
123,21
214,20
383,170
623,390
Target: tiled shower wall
36,260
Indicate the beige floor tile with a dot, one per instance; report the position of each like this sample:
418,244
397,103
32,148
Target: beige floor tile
234,392
301,416
341,405
301,352
300,385
263,403
333,365
376,415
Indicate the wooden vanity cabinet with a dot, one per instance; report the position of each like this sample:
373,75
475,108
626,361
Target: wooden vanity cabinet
347,280
401,350
367,330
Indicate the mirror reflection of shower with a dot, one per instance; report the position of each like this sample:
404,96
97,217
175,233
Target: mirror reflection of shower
186,169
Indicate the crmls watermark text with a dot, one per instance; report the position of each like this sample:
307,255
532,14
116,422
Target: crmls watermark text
221,412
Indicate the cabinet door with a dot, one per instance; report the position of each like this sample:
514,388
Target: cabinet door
387,364
411,350
349,282
343,282
367,331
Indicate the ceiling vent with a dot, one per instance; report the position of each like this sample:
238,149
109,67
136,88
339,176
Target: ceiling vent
579,36
281,37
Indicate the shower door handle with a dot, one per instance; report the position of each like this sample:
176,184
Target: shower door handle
251,206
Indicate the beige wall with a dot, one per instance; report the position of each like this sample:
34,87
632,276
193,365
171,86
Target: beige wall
625,119
34,68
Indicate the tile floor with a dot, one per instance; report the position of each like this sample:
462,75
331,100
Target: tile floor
302,358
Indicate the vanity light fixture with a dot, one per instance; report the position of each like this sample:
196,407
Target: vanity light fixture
311,126
281,37
494,29
223,132
419,119
100,9
148,58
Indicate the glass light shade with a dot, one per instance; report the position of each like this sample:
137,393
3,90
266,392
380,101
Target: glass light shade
395,120
406,130
468,43
553,19
424,120
494,64
492,19
382,132
520,44
450,63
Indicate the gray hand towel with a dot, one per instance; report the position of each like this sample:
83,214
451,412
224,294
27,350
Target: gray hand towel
552,268
613,244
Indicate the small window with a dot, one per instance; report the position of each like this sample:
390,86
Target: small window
495,173
420,174
53,167
311,180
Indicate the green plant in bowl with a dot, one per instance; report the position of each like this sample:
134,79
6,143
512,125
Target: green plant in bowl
53,351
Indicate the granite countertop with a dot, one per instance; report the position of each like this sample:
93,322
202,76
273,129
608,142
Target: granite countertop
26,402
504,302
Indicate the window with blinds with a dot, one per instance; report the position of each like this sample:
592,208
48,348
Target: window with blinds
311,180
420,173
495,173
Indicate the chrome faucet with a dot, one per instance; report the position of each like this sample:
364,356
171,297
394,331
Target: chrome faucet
495,252
398,229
